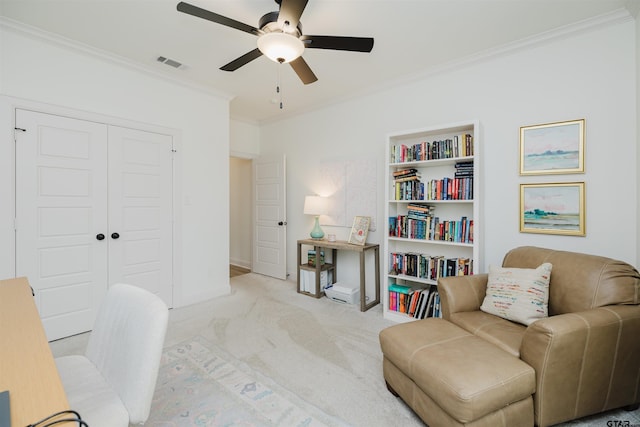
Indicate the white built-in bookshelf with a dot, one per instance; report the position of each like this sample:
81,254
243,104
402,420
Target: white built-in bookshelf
432,213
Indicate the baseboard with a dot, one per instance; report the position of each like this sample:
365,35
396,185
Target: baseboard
240,263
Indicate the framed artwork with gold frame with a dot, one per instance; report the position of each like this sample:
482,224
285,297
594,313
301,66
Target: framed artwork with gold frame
556,208
552,148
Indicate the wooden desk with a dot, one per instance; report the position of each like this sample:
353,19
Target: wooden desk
335,246
27,368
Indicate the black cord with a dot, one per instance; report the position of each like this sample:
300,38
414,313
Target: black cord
80,422
78,419
69,411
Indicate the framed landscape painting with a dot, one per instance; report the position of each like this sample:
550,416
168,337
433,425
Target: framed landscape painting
557,208
552,148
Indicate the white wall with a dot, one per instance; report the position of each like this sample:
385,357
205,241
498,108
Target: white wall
240,212
40,70
244,139
585,75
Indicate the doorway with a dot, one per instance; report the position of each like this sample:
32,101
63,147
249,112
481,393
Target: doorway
240,215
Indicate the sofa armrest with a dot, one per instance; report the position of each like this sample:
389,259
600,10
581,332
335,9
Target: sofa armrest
585,362
461,293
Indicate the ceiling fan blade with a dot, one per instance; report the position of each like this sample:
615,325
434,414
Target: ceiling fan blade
214,17
244,59
354,44
291,11
303,71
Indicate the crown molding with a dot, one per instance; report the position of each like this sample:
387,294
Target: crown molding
591,24
52,38
633,6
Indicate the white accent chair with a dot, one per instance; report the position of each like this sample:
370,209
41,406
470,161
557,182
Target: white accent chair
113,384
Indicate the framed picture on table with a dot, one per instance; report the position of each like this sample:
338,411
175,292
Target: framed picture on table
359,230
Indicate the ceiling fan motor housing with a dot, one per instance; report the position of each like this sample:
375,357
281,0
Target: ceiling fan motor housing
269,24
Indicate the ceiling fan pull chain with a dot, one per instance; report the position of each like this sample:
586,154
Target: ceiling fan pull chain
278,91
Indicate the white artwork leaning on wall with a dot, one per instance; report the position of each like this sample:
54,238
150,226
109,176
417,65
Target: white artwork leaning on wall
350,186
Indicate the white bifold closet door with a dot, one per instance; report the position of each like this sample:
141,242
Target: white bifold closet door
93,208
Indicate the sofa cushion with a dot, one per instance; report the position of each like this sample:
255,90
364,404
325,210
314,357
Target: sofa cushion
580,281
498,331
465,375
518,294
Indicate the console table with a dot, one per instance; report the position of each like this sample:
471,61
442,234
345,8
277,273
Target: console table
318,245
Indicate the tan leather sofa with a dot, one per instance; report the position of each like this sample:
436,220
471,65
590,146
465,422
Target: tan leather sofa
583,359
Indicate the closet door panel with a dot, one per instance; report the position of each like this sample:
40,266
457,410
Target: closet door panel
61,206
140,210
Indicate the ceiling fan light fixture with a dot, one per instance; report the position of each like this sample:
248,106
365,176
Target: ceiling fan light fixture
280,47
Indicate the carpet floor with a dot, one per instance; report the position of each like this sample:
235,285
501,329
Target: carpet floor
200,385
267,356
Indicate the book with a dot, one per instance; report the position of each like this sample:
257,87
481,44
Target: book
402,304
452,267
407,178
430,304
393,225
311,258
419,304
404,172
426,297
413,302
403,289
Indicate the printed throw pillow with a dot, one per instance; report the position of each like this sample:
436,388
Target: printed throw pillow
518,294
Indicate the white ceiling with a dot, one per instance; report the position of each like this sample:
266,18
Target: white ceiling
411,38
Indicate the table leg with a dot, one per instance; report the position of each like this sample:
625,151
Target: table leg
318,270
377,275
363,288
299,262
334,260
364,306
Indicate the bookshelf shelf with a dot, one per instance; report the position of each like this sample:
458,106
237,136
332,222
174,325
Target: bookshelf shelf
433,162
433,213
412,279
432,201
431,242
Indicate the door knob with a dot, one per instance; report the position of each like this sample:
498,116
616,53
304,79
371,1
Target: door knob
282,223
114,235
100,236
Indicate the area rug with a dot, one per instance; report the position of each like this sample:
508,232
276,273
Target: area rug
201,385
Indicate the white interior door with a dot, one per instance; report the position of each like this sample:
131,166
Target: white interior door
270,231
140,210
61,215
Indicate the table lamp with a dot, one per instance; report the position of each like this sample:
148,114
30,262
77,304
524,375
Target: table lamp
315,205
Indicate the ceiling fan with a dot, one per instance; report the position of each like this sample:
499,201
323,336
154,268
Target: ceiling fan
280,37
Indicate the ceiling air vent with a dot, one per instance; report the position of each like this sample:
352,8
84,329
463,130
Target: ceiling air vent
170,62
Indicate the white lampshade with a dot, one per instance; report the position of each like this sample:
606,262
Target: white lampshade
315,205
280,47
